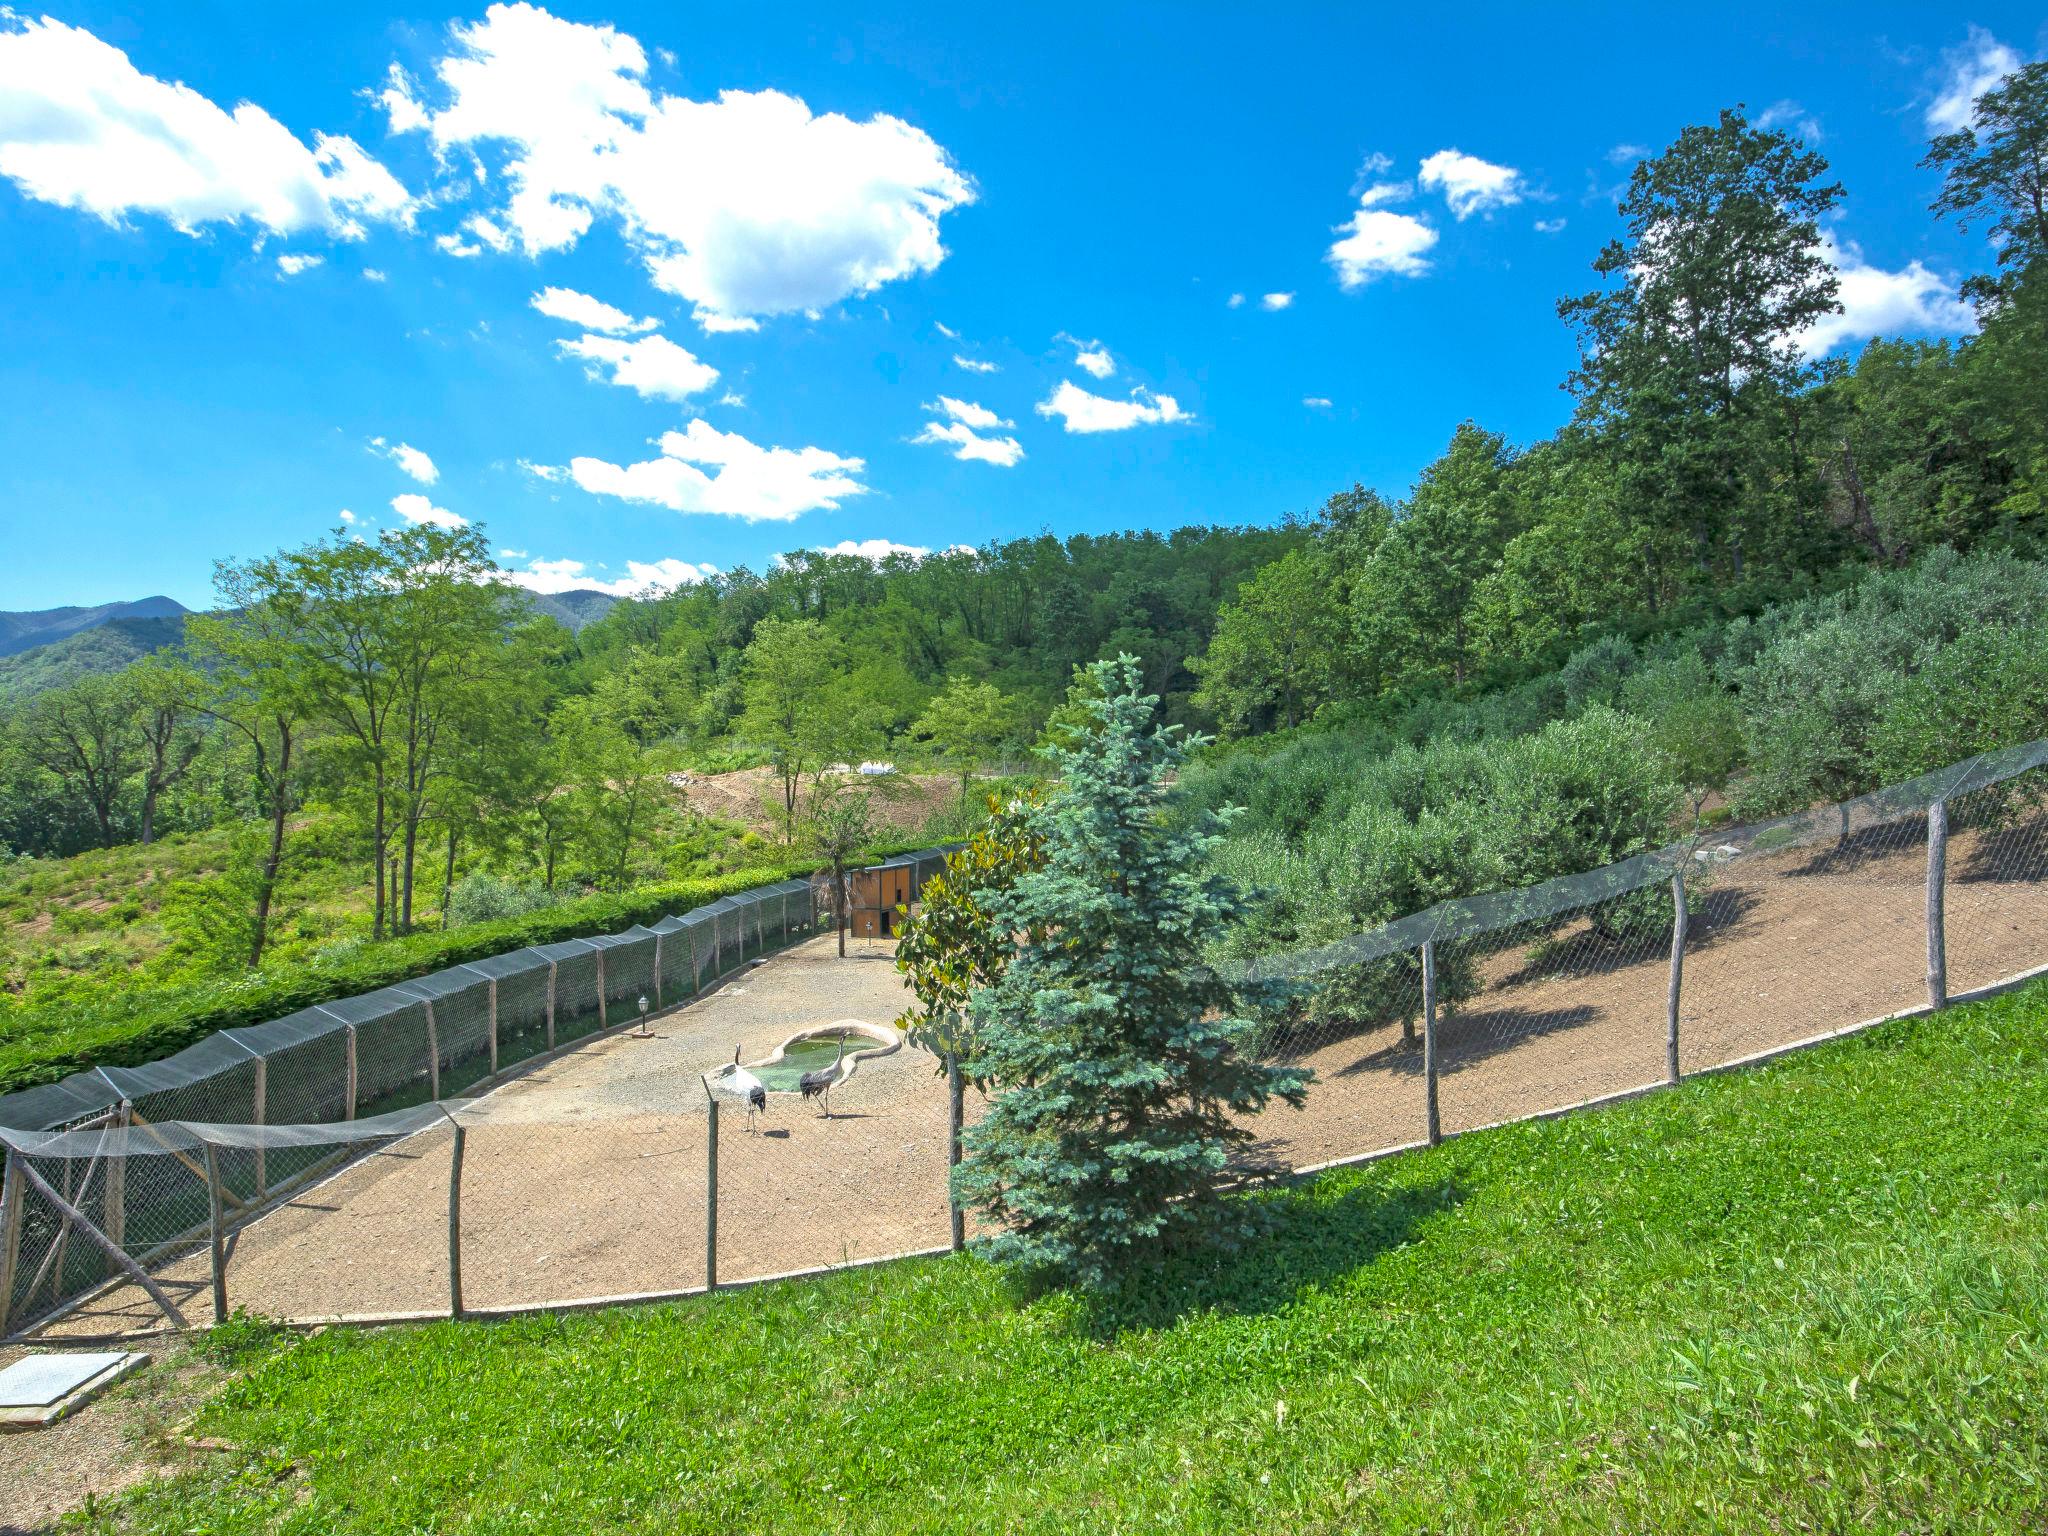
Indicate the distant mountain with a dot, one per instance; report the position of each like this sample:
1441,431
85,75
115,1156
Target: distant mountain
574,609
25,631
106,647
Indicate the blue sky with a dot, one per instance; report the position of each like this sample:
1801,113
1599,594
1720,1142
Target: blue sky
788,275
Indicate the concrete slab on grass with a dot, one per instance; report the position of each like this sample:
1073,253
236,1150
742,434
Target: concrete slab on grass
40,1389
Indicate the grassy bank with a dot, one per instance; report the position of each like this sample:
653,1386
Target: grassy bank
1810,1296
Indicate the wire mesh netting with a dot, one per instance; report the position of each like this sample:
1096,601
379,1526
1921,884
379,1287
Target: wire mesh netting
328,1136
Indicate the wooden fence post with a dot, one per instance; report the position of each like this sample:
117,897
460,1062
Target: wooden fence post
455,1220
352,1078
261,1100
657,972
433,1055
117,1180
552,968
11,1193
956,1097
602,1021
217,1233
1431,1115
1937,922
711,1197
1680,918
494,1026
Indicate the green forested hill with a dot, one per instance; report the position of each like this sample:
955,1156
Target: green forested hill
104,648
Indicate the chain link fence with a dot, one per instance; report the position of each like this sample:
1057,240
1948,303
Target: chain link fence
433,1148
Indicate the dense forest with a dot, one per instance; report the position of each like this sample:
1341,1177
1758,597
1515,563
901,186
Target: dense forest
1739,578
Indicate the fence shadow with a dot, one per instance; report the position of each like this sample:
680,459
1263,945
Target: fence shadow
1867,845
2011,854
1469,1036
1305,1238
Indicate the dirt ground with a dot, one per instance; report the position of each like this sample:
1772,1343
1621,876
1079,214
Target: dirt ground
753,796
130,1433
586,1177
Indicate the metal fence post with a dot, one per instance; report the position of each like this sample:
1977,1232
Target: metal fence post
455,1219
711,1196
10,1235
216,1225
1431,1114
1679,920
956,1107
1937,925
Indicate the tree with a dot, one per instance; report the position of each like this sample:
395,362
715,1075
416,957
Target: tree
253,651
85,735
838,831
613,780
790,668
1117,1048
1689,360
952,946
164,692
1996,169
967,723
1275,652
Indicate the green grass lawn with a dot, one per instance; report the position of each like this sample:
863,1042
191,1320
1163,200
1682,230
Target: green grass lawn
1806,1297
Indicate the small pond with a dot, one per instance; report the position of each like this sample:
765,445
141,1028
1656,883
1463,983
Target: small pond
807,1055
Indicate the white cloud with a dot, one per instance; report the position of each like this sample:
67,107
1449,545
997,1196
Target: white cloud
1091,356
1911,301
1377,242
82,127
876,550
642,578
945,330
1080,411
1625,154
1469,184
731,397
347,516
416,509
1235,301
654,366
746,205
716,324
374,275
551,472
292,263
1316,402
974,366
1968,70
1386,192
586,313
1276,301
1790,115
968,413
512,554
455,245
966,443
408,458
1549,226
750,482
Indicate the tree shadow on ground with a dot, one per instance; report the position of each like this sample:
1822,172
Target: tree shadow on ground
1303,1238
1470,1036
1870,845
2011,854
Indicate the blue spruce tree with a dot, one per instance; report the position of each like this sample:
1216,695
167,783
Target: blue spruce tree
1123,1071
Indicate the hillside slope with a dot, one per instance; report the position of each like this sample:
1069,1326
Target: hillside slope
45,626
104,648
1811,1296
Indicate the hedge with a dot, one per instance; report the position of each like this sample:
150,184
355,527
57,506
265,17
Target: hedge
41,1045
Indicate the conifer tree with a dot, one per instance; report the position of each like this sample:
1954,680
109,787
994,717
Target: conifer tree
1122,1067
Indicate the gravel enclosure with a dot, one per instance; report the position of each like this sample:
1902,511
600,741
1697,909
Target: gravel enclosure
585,1175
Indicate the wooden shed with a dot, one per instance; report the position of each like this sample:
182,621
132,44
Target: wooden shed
876,894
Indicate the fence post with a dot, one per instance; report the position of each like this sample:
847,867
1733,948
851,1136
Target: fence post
352,1079
455,1220
1680,917
602,1021
956,1097
553,966
1434,1119
494,1026
711,1197
433,1054
1937,925
117,1180
10,1236
216,1226
657,972
262,1096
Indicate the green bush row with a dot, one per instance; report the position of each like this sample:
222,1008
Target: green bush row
126,1026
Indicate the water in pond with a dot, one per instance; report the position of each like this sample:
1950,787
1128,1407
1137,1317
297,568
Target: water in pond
806,1056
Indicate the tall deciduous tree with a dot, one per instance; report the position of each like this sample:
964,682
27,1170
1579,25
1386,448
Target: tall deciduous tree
85,735
838,830
967,724
792,666
1995,170
1125,1072
1689,356
165,692
1277,647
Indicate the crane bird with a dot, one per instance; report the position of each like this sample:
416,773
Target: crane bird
742,1084
818,1085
